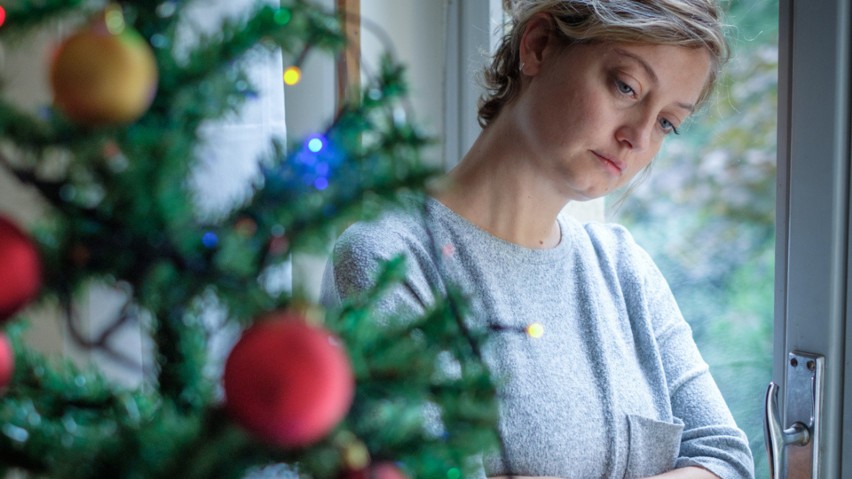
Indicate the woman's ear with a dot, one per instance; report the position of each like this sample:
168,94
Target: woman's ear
534,41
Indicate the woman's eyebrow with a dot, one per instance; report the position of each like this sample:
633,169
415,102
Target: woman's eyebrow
686,106
651,73
641,61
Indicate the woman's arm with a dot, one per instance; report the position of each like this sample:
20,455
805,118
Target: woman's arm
682,473
711,439
524,477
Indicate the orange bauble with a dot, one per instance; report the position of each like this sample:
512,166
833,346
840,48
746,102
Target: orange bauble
288,382
103,78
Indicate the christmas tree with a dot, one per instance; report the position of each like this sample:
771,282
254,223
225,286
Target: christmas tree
304,391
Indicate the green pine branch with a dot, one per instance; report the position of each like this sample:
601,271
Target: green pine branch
24,16
142,230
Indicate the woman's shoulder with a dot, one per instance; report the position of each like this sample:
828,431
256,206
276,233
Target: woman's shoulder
613,244
362,249
394,231
604,237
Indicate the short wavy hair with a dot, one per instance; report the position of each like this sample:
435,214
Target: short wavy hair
688,23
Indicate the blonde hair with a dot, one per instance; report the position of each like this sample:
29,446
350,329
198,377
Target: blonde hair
688,23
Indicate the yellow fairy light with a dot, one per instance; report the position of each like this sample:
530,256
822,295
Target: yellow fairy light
535,330
114,19
292,75
355,455
353,452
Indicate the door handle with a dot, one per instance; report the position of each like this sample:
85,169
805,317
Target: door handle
776,437
803,401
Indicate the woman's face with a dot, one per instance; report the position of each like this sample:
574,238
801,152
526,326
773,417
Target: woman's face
595,115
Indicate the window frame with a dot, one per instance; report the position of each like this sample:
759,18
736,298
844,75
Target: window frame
813,211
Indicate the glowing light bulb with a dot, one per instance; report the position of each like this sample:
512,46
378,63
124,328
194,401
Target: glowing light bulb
315,145
282,17
535,330
114,19
292,75
321,183
2,16
210,240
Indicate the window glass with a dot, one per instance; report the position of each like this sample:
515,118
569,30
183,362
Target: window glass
705,213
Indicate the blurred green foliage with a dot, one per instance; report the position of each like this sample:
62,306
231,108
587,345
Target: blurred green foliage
706,213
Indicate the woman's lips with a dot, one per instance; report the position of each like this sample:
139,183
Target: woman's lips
616,166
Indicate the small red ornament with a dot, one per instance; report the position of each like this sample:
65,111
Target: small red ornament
20,269
7,361
380,470
288,382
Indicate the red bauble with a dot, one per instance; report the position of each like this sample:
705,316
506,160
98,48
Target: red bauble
380,470
288,382
20,269
7,362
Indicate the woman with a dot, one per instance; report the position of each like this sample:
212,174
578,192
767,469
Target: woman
581,95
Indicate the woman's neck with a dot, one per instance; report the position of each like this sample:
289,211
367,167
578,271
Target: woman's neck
496,188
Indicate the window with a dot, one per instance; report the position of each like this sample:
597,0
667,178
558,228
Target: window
706,214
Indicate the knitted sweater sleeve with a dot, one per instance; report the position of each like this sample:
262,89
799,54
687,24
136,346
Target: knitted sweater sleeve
710,438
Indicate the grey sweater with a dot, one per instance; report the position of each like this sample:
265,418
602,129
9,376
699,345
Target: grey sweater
614,388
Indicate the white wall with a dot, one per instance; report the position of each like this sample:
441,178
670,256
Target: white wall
415,31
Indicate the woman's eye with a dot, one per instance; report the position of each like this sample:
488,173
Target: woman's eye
624,88
668,126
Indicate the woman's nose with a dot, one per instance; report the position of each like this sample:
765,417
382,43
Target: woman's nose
635,132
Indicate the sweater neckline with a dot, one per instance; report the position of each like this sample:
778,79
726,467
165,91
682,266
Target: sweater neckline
487,241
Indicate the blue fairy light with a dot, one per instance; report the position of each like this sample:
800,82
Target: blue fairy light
321,183
45,112
315,144
210,240
305,158
159,40
313,164
167,9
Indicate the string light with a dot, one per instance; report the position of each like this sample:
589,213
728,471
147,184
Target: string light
535,330
292,75
114,19
282,17
2,16
246,227
210,240
356,456
321,183
315,144
167,9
